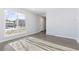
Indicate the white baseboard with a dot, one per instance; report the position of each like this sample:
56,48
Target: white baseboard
75,38
66,37
15,36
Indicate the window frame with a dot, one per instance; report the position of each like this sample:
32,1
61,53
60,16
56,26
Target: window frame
17,22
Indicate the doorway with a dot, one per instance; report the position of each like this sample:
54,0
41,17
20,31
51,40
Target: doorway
43,25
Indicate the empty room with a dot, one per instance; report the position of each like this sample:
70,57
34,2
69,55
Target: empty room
39,29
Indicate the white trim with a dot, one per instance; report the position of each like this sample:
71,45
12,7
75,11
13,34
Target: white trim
62,36
75,38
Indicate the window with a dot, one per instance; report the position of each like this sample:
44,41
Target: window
21,20
11,19
15,22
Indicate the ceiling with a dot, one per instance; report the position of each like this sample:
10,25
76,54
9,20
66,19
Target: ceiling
39,11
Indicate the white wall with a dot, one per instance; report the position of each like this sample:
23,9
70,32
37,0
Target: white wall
62,22
77,22
32,24
1,25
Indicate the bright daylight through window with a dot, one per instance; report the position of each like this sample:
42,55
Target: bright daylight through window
14,22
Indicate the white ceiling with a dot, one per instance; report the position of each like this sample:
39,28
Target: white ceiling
40,11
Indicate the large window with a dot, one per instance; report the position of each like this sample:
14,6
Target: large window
21,20
11,19
15,22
